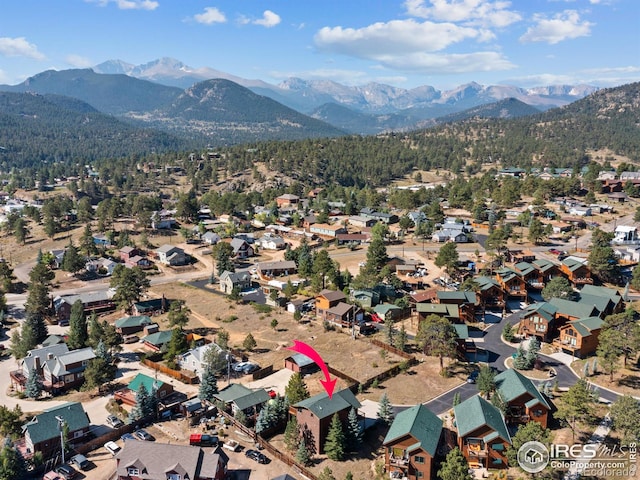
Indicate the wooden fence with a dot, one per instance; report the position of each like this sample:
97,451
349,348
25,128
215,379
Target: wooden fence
188,379
392,349
284,458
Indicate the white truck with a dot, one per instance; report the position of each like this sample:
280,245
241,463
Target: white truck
231,445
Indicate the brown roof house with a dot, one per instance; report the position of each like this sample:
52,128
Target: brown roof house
580,337
42,432
163,461
327,299
314,415
411,444
524,401
483,437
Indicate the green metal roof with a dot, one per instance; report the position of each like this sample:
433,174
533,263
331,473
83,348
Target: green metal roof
585,326
601,303
231,392
385,308
544,309
512,384
462,330
475,413
506,273
45,426
134,321
611,293
573,264
485,283
322,406
524,268
462,295
446,309
574,309
542,264
148,382
256,397
158,338
421,424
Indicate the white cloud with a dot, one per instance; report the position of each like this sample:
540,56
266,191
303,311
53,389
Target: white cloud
562,26
19,47
473,12
440,64
129,4
397,37
210,16
269,19
78,61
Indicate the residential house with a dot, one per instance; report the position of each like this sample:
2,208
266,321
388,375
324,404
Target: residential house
301,364
581,211
517,256
138,261
411,444
343,314
234,280
568,311
579,338
101,266
626,234
327,299
269,241
91,302
42,432
449,311
465,299
125,253
34,361
196,358
576,271
524,401
387,218
162,220
512,283
101,240
132,324
282,268
366,298
127,395
241,248
171,255
532,277
164,461
362,222
483,437
388,311
607,300
546,270
287,200
210,238
538,320
490,293
237,397
155,341
353,238
326,230
314,415
65,371
423,296
451,232
150,307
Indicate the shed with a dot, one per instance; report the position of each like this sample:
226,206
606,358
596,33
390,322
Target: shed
300,363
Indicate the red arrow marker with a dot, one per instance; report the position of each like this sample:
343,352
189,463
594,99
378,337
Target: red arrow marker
309,351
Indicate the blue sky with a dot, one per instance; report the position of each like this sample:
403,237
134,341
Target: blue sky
404,43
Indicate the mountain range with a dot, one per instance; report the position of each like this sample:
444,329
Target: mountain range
308,95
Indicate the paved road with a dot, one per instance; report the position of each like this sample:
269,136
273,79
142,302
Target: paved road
498,352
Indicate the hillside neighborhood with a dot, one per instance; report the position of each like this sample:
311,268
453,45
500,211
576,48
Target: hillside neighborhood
164,351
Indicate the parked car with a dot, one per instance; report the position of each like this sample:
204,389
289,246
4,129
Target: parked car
257,456
239,367
203,440
51,475
250,368
114,421
112,447
66,471
142,434
473,376
554,251
127,436
81,462
130,339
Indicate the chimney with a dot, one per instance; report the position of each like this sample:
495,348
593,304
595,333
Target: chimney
36,363
49,356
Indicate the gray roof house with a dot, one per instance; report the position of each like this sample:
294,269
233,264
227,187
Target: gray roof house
194,359
230,280
42,432
65,371
171,255
164,461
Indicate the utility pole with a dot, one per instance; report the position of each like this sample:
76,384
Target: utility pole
61,427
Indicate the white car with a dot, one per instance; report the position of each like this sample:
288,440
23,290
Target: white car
112,448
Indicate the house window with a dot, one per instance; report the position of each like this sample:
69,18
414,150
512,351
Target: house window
173,476
133,471
419,459
419,474
78,434
85,363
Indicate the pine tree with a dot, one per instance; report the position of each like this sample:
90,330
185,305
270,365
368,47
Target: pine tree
303,456
33,387
78,336
208,384
326,474
354,432
142,408
400,342
249,342
532,352
385,411
292,434
94,329
334,446
455,467
262,422
296,389
456,399
12,464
